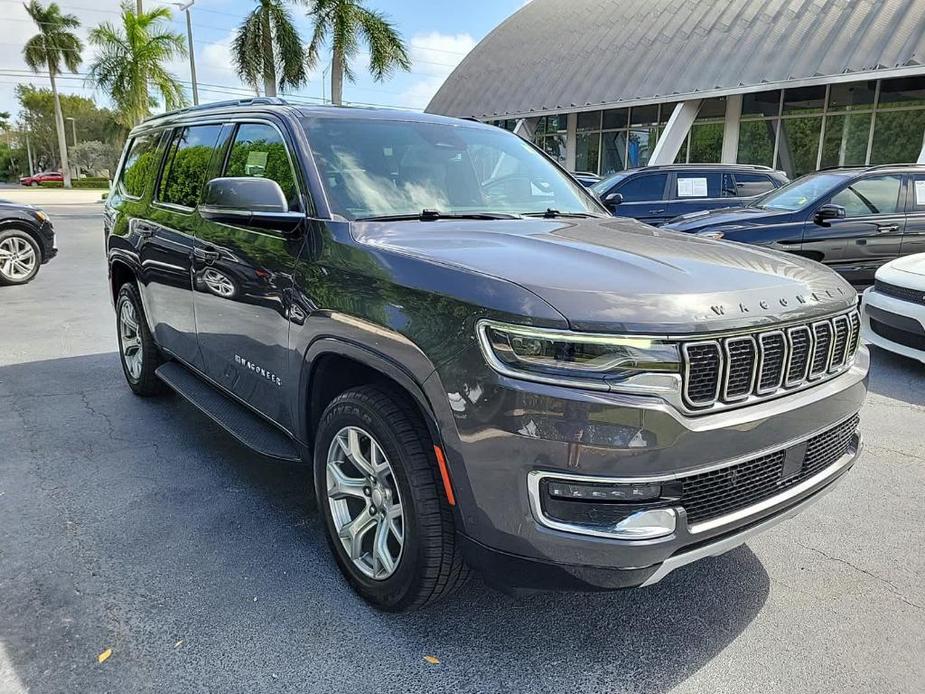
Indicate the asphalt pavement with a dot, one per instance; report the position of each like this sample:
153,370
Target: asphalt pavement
137,525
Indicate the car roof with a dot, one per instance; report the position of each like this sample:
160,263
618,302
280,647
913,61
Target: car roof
686,167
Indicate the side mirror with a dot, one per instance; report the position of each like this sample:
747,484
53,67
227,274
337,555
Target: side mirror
829,211
613,199
249,201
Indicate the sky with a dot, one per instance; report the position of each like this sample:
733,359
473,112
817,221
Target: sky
438,33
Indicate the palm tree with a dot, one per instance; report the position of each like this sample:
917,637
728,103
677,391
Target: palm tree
132,59
53,47
347,21
268,43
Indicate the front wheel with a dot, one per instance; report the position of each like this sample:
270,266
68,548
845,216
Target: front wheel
389,525
139,355
20,257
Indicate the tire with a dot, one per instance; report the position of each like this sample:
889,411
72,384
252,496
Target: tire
429,564
20,257
135,340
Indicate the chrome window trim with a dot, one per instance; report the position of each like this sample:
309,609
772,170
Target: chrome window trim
534,477
788,383
725,376
761,338
686,372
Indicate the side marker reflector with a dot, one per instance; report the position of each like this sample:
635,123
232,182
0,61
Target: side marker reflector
445,475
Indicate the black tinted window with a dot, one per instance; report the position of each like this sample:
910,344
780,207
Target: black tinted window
140,164
259,150
646,187
874,195
187,164
747,184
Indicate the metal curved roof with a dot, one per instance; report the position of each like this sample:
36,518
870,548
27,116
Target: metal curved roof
556,55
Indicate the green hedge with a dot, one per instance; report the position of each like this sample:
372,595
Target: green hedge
89,182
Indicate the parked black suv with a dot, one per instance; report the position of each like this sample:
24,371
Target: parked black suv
27,241
853,220
483,367
655,194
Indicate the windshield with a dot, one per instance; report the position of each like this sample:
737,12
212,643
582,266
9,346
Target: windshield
800,192
602,187
378,168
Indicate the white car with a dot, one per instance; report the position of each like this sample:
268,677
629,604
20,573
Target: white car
893,310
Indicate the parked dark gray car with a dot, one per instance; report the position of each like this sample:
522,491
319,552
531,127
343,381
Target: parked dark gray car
484,368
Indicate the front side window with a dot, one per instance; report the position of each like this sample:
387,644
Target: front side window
870,196
642,188
259,150
801,192
140,164
186,165
376,168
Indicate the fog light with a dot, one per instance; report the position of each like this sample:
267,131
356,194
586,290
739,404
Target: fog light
645,525
604,492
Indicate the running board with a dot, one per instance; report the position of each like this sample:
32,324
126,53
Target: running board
246,426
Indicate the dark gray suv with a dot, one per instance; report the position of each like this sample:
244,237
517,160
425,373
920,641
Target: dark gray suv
483,367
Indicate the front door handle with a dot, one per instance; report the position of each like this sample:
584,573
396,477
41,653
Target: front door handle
205,255
886,228
145,231
656,211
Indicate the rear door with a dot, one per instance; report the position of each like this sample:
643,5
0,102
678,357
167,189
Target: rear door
644,198
169,229
242,279
914,234
870,235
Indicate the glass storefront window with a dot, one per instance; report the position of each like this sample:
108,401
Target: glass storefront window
682,153
706,143
845,140
615,118
897,137
761,104
644,115
641,143
712,108
853,96
905,91
804,100
554,146
665,111
614,154
589,120
587,151
799,145
756,142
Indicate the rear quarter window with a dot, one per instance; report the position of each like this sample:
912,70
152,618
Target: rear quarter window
748,184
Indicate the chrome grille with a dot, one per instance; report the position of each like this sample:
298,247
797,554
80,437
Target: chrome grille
763,363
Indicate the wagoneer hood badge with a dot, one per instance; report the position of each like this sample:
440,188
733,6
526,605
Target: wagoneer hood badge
618,275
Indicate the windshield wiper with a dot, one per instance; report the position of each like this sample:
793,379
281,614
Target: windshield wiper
550,213
433,215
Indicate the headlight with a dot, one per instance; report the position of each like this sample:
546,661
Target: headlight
711,234
587,360
40,215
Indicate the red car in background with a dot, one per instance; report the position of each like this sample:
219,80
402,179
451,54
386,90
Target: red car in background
41,177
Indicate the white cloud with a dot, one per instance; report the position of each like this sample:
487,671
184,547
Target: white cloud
434,56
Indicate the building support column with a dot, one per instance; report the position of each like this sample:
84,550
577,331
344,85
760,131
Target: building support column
571,125
670,143
731,129
525,128
921,159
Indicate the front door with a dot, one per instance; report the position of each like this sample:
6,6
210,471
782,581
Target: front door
241,282
870,234
644,198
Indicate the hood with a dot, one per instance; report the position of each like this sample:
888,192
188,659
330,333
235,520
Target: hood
709,219
913,264
619,275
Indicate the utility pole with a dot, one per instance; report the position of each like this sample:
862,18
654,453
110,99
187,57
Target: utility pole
192,54
73,128
138,9
29,154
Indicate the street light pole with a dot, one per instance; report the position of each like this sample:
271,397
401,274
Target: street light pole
73,128
192,53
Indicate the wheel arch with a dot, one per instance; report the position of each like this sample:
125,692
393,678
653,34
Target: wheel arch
120,272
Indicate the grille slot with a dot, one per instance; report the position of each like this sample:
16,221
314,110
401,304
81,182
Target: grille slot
915,296
741,367
800,343
712,494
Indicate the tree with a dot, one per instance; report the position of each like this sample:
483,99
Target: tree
267,44
94,156
55,45
346,22
133,58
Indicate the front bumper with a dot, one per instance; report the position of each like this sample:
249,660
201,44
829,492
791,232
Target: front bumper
904,319
498,432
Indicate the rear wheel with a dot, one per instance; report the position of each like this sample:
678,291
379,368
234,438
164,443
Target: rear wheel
139,355
389,524
20,257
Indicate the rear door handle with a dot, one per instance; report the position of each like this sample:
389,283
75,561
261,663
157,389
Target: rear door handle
205,255
656,211
886,228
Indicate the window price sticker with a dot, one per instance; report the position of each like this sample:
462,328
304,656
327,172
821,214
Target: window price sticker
697,188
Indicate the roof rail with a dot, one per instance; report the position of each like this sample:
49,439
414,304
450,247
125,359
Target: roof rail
252,101
874,167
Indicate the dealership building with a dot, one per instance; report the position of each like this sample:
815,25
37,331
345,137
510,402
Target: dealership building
798,85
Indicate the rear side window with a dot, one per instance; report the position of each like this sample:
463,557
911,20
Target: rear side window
640,188
259,150
748,184
187,164
699,184
140,164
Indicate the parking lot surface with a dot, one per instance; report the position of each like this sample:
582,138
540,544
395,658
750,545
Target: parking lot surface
137,525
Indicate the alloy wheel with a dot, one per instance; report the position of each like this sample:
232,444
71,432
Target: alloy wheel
365,503
17,258
130,339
